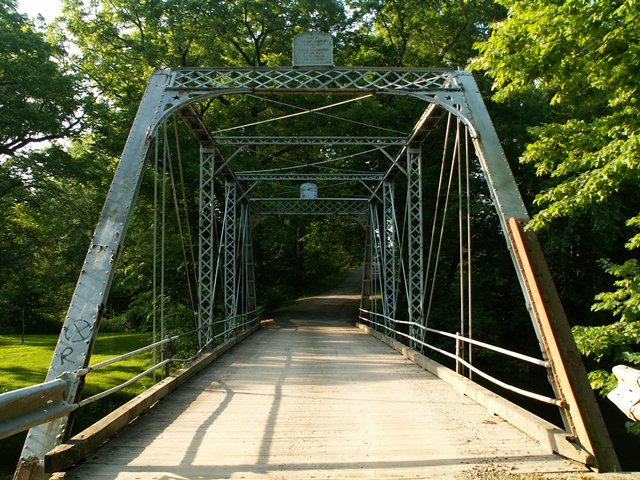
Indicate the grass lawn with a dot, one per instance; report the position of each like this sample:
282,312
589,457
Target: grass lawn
26,364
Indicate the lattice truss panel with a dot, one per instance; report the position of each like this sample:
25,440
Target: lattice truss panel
311,177
207,246
415,239
389,252
344,79
299,140
230,256
321,206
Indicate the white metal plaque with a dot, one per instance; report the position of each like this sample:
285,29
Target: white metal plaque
313,49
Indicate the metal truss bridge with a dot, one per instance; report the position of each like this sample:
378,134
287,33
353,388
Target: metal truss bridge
377,176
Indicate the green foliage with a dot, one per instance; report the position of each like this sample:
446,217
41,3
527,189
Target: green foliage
49,207
39,98
633,427
436,33
25,364
607,345
583,58
47,202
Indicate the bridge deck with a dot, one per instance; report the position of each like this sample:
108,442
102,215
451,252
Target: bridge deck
313,397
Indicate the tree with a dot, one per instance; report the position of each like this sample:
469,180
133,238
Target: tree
434,33
582,56
39,99
49,204
42,221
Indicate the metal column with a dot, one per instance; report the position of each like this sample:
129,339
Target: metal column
376,256
389,253
247,261
206,247
230,250
415,246
365,298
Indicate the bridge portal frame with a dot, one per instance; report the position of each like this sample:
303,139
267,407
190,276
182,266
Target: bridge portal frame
170,91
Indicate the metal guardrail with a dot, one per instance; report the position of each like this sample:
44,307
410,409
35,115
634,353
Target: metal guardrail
455,356
27,407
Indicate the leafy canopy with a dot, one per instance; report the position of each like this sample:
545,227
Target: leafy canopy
584,57
39,98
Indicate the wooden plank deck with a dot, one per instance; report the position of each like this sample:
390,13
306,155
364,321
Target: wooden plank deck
311,396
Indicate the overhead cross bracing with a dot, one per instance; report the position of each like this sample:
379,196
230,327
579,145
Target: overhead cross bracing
309,177
323,206
341,80
453,137
298,140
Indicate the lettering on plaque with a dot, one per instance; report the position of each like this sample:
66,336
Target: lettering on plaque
313,49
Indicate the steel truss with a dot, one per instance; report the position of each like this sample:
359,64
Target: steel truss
321,206
301,177
382,254
305,140
207,258
248,292
230,257
389,252
171,91
309,79
415,239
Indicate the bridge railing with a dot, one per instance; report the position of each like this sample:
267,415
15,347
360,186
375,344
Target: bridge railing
27,407
390,325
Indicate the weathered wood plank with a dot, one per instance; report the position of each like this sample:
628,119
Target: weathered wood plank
567,368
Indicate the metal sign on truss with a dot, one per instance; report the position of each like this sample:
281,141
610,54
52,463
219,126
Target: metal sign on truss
172,91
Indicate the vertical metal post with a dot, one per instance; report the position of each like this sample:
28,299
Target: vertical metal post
389,253
251,276
415,239
365,300
206,246
375,258
80,327
230,279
